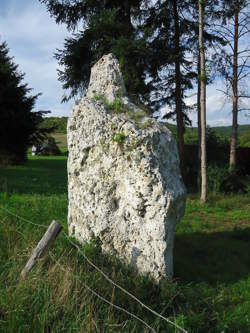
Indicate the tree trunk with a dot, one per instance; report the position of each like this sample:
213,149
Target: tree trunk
233,145
203,106
199,120
178,92
125,17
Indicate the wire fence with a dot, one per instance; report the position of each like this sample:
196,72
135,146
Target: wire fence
107,278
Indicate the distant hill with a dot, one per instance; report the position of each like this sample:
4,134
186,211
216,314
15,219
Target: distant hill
191,134
226,130
243,130
60,123
223,133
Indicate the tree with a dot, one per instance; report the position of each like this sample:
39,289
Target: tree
202,104
150,43
106,26
235,67
18,124
171,69
212,42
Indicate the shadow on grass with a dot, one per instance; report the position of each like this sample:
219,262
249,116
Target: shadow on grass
213,257
42,175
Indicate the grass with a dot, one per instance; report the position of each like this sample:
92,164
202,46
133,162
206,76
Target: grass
210,293
61,140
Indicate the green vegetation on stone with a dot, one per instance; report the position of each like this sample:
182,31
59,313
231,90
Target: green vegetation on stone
137,116
119,138
117,106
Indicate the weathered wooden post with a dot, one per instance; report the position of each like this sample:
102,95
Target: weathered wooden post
52,232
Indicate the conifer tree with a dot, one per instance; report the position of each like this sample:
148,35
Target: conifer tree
172,69
19,126
103,27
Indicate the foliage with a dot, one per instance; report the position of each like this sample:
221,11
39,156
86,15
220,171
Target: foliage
216,176
119,138
207,295
137,116
235,74
222,133
117,105
219,176
233,183
216,136
214,139
138,32
48,147
244,140
59,124
19,126
102,28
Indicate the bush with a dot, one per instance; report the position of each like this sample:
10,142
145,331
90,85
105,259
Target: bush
234,183
215,177
49,147
221,179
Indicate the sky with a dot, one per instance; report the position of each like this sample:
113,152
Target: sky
33,37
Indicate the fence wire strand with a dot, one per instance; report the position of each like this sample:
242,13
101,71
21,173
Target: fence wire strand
105,300
108,279
122,289
23,219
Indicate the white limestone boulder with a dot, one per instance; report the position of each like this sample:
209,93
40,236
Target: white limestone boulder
124,182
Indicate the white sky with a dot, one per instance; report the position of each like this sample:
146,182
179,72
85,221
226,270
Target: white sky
33,37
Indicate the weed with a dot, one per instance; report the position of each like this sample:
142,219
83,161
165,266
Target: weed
100,98
117,106
137,116
119,138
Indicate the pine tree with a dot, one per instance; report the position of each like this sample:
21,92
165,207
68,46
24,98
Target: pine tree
19,126
105,26
171,68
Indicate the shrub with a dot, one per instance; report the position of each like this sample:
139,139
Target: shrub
215,177
221,179
233,183
119,138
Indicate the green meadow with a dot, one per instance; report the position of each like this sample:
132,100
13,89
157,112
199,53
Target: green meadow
210,291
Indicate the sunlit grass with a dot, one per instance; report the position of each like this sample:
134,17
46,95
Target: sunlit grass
210,293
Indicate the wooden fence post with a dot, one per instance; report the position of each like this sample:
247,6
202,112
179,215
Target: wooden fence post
48,238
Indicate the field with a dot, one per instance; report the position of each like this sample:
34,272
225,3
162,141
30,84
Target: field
61,140
210,292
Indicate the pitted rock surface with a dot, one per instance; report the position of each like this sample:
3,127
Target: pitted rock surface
124,182
106,79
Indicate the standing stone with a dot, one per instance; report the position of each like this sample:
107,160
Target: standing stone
124,181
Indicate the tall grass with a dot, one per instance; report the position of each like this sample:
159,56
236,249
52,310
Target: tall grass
210,292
